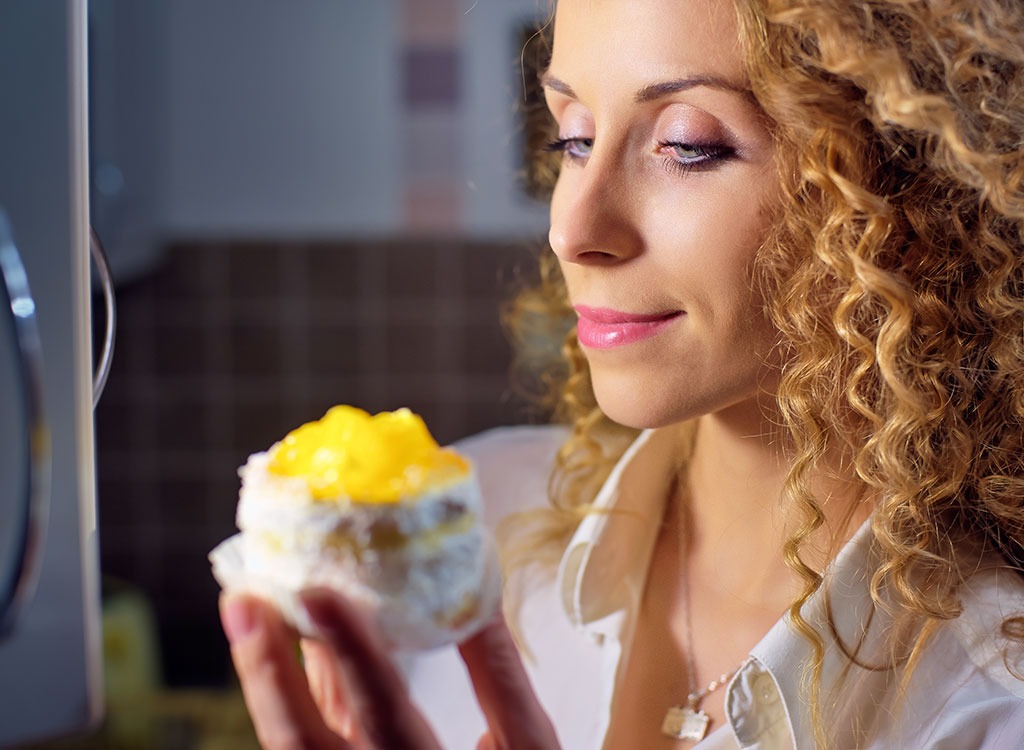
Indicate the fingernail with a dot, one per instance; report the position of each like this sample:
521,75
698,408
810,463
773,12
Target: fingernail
331,614
321,610
240,619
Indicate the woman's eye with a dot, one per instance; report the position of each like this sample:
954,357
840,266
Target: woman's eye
573,149
684,157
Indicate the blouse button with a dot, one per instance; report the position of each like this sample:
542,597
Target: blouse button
765,690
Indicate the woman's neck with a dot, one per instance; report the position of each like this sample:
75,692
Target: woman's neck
738,517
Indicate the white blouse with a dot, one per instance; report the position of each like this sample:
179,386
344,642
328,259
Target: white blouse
962,696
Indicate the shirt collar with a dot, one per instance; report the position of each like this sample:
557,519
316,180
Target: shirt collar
844,614
858,678
605,563
603,571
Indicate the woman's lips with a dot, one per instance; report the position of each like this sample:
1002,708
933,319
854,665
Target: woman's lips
602,328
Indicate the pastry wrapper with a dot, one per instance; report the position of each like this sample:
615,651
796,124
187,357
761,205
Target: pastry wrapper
398,590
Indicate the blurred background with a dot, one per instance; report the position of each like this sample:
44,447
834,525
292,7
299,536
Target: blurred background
303,204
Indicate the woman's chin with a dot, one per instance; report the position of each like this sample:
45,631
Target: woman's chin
646,404
635,408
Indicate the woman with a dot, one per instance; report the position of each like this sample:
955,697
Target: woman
791,232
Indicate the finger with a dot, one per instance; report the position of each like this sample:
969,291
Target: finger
326,684
273,683
486,742
514,715
378,695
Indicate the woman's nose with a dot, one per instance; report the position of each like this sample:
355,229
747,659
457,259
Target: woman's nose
593,214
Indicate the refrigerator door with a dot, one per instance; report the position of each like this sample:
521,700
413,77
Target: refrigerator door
50,658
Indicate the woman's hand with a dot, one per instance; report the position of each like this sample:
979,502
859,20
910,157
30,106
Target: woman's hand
351,697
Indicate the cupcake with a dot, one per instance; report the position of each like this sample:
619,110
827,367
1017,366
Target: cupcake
372,507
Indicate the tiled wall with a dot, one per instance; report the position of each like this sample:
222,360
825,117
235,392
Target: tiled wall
228,345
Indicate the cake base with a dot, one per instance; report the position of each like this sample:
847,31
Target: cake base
407,612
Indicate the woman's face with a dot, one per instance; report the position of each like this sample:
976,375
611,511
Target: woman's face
661,204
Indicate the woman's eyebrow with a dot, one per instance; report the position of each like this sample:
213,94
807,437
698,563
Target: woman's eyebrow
548,81
665,88
657,90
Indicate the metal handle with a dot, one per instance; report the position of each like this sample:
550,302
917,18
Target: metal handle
15,292
99,257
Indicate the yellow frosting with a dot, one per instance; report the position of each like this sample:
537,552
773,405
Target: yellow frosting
369,459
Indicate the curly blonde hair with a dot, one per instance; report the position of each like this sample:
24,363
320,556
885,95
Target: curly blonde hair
895,277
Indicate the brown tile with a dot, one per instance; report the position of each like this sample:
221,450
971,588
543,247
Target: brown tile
257,426
332,270
324,393
433,412
411,269
186,390
113,421
497,271
133,348
183,501
118,562
185,570
395,398
412,349
447,423
485,350
217,518
179,278
179,350
255,350
117,506
300,411
113,465
333,348
254,270
181,424
123,372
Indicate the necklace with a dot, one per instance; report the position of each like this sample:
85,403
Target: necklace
689,722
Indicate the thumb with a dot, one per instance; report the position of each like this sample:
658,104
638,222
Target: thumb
486,742
515,717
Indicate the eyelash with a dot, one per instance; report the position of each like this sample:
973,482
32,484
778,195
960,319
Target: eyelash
709,155
563,146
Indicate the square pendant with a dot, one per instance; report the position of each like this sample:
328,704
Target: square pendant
684,723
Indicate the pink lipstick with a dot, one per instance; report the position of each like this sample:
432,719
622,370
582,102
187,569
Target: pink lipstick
601,328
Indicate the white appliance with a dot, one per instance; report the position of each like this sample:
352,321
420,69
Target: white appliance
50,657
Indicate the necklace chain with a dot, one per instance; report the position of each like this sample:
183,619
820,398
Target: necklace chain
690,722
694,697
